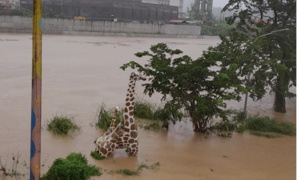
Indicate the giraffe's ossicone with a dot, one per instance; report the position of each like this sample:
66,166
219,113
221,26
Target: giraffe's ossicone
125,135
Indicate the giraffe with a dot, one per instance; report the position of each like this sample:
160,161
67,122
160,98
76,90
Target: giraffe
125,135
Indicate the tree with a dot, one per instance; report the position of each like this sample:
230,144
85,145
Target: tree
273,62
194,85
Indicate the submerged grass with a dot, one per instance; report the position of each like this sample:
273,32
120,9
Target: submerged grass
144,109
128,172
259,126
155,126
96,155
263,134
105,117
266,124
62,125
74,167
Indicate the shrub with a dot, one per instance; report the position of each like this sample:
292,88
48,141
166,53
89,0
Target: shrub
62,125
105,117
74,167
144,109
266,124
96,155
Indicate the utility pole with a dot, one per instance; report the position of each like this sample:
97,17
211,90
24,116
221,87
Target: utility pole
36,92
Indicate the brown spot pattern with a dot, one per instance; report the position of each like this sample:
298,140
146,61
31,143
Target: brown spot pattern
127,104
127,123
103,150
133,134
131,141
132,127
126,117
130,108
131,120
132,99
131,113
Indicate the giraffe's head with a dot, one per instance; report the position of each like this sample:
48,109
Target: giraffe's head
137,76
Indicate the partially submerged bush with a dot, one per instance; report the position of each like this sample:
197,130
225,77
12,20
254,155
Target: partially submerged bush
74,167
105,117
144,109
263,134
62,125
155,126
257,125
266,124
96,155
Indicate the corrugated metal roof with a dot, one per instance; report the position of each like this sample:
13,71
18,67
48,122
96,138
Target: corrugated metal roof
177,21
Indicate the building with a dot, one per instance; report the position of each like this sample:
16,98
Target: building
107,10
165,2
11,4
177,3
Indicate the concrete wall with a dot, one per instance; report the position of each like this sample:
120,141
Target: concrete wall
17,24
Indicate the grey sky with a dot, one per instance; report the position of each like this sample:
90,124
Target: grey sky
219,3
216,3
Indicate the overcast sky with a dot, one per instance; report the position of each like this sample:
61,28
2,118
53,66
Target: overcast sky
216,3
219,3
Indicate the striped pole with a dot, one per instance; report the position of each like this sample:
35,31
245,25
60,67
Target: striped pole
35,140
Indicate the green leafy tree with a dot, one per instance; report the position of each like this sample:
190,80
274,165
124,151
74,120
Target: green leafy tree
271,59
193,85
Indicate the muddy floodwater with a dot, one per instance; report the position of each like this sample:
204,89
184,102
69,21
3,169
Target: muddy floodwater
79,73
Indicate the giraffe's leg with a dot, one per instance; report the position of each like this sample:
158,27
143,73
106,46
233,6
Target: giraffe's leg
106,149
133,148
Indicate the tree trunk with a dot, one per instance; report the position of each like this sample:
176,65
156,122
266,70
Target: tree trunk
200,126
279,103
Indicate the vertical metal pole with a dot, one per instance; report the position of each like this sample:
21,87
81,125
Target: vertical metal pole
246,97
36,92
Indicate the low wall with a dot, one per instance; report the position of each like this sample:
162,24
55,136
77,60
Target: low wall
18,24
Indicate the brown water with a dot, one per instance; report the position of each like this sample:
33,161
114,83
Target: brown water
79,73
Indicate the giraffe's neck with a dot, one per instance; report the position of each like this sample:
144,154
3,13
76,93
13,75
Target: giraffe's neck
129,104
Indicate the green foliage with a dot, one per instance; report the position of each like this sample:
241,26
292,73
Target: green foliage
267,135
96,155
105,117
270,59
128,172
147,110
256,125
62,125
74,167
221,28
266,124
188,84
144,109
